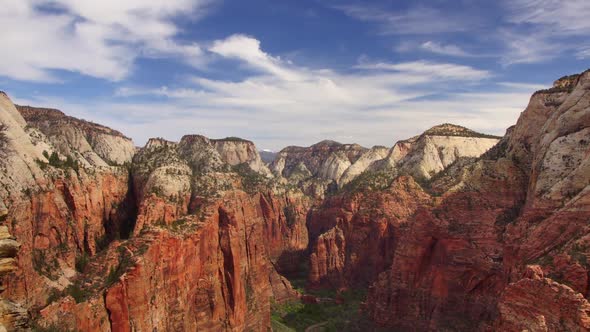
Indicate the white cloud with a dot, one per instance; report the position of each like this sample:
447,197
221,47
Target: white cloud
416,20
583,53
432,70
564,17
247,49
544,29
526,87
527,48
95,38
443,49
389,100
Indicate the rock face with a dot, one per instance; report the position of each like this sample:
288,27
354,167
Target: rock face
373,205
235,151
328,165
12,316
435,150
317,168
91,143
207,272
440,254
59,209
181,236
563,309
524,202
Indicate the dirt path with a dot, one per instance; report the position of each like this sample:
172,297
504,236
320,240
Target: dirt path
315,327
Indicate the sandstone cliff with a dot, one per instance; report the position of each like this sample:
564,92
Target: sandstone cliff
59,207
436,149
524,202
235,151
369,228
328,165
91,143
181,236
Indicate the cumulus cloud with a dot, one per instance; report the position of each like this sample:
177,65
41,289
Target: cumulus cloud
388,100
247,49
95,38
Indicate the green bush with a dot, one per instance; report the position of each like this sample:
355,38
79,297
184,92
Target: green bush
77,292
251,180
3,139
82,262
290,215
55,161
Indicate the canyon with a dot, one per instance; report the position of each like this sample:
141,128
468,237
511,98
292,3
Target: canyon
450,230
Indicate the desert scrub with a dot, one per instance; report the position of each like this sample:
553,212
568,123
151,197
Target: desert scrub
3,140
251,180
290,215
370,180
76,291
81,262
43,266
124,263
55,161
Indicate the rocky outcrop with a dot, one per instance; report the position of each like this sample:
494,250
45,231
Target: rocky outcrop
176,179
206,246
12,315
235,151
326,159
329,165
436,149
208,231
318,168
59,209
372,204
535,303
354,240
208,272
375,154
439,255
92,144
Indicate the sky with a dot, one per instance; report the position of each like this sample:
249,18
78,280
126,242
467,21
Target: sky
289,72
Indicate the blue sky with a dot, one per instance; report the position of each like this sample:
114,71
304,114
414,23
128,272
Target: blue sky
291,72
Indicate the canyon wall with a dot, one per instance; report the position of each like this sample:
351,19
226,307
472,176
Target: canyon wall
459,254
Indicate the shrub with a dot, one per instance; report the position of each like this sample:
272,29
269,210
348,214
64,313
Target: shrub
290,215
53,160
251,180
125,261
77,292
82,262
3,139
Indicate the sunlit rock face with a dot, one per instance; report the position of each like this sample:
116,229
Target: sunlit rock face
235,151
464,262
180,236
327,165
92,143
